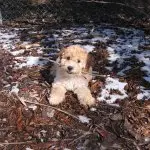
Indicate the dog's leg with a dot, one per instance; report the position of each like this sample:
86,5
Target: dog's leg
57,94
84,96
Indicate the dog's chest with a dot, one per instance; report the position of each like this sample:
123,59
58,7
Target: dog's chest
73,83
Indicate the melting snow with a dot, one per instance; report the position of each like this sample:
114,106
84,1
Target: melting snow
15,89
88,48
123,46
28,148
113,84
144,94
17,52
30,61
84,119
33,107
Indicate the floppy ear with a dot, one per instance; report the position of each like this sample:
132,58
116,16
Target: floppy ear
60,54
89,63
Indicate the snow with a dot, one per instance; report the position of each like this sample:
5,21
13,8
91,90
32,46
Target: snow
144,94
120,46
84,119
17,52
33,107
28,148
30,61
112,84
92,109
15,89
7,39
88,48
147,79
50,113
121,73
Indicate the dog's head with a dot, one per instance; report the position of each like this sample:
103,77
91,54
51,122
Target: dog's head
74,60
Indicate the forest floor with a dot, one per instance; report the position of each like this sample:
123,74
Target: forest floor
121,87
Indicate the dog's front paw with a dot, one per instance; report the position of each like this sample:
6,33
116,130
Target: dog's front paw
87,100
55,100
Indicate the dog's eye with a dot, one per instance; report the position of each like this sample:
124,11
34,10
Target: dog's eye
79,61
68,58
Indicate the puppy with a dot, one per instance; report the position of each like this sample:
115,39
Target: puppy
72,73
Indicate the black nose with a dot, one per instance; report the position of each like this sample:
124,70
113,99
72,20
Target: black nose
69,68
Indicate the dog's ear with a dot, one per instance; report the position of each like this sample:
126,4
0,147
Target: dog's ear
89,63
60,54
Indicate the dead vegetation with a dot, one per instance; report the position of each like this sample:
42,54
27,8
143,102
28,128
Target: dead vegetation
26,118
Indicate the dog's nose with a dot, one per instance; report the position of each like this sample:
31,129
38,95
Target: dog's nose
70,68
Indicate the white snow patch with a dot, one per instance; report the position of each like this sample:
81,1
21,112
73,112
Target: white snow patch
121,73
113,83
99,39
33,107
147,79
15,89
88,48
28,148
7,39
144,94
17,52
112,55
50,113
93,109
30,61
84,119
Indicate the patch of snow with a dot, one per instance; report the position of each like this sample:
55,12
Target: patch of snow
147,79
112,55
17,52
15,89
112,84
144,94
109,32
88,48
121,73
7,39
30,61
93,109
84,119
33,107
4,119
78,41
99,39
50,113
39,51
28,148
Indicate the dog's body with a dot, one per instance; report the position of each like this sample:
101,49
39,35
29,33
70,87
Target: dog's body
72,75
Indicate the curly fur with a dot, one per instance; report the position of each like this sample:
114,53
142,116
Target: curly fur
69,76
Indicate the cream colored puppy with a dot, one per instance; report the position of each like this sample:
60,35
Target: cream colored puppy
72,74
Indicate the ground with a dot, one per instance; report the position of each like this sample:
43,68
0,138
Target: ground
120,85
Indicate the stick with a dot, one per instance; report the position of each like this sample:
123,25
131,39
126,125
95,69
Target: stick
16,143
65,112
83,135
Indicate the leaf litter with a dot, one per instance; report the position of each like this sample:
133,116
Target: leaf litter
117,52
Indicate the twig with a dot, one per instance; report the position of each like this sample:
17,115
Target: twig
36,103
21,100
83,135
65,112
16,143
